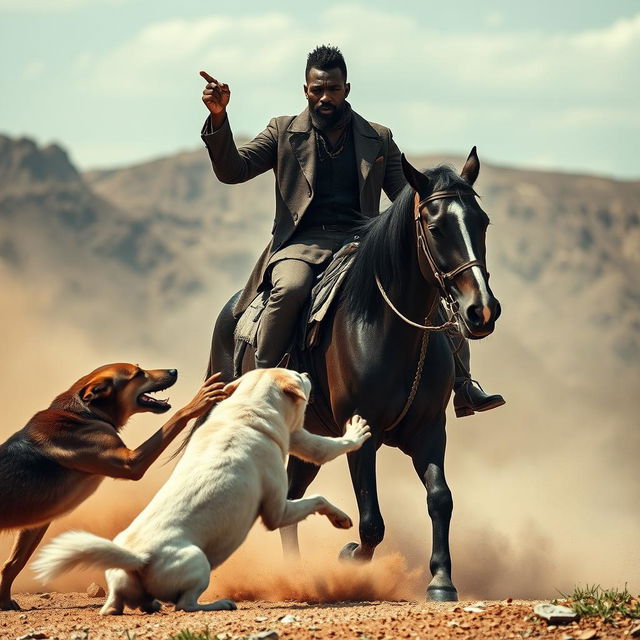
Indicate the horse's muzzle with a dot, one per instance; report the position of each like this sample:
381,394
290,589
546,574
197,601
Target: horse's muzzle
479,319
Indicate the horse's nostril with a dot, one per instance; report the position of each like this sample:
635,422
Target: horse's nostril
474,314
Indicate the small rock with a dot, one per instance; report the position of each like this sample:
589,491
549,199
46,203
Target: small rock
588,634
453,623
45,596
272,634
288,619
552,627
554,612
313,627
635,632
260,618
566,636
474,608
455,609
509,600
33,635
95,591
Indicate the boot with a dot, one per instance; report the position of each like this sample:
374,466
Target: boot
469,396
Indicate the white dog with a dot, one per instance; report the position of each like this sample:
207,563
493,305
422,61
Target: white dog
232,471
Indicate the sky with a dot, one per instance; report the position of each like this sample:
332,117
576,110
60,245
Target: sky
550,85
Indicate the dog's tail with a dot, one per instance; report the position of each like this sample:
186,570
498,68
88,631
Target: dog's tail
79,548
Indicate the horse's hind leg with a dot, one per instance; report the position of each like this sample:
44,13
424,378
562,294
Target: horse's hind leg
301,474
362,466
429,464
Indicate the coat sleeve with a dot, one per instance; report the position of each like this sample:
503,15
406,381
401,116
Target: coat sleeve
233,165
394,180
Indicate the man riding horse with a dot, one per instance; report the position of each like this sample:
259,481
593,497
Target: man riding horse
330,166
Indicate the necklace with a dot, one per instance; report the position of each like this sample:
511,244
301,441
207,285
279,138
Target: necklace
323,148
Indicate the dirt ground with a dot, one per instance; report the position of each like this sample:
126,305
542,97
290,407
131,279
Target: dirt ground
74,616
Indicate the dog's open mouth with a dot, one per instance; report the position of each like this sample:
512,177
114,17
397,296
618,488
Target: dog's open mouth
159,405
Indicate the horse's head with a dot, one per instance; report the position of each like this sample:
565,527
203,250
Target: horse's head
450,232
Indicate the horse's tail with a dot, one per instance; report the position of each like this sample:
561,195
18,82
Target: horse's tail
80,548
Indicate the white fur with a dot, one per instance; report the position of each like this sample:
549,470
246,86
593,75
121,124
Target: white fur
232,471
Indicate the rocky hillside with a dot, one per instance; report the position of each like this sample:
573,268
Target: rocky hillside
563,249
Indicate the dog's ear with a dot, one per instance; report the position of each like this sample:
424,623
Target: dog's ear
96,389
293,390
231,387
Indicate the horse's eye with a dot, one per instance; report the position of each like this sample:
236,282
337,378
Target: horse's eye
435,231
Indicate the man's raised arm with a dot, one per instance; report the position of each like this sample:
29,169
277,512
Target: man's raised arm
230,164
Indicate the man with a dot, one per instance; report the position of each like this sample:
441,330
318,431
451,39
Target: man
330,166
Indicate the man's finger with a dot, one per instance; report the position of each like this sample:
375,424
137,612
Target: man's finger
206,76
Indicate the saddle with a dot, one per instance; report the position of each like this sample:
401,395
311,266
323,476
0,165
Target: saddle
323,294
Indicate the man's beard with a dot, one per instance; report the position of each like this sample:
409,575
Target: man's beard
328,121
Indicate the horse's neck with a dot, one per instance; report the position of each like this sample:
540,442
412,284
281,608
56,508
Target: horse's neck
416,300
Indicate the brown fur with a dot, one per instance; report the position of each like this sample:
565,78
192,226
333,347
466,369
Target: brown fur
63,453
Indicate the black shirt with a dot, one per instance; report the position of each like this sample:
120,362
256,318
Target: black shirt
336,199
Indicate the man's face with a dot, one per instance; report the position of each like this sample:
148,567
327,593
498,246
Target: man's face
326,92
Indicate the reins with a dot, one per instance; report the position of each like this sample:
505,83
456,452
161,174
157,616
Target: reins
441,278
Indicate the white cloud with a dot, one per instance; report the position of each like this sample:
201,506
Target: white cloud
622,33
439,89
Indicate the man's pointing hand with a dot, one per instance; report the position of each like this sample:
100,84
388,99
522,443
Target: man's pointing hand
215,97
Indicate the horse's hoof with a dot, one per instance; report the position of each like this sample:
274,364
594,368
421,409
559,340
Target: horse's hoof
10,605
442,594
346,553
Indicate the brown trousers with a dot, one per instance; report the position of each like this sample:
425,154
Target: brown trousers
292,281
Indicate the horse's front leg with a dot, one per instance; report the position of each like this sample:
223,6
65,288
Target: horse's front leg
362,466
429,464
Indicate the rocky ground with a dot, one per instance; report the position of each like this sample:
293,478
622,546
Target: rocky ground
74,616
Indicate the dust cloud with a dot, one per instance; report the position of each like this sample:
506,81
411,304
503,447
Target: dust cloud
545,489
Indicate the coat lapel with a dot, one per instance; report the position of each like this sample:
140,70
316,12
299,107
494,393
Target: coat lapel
367,144
303,144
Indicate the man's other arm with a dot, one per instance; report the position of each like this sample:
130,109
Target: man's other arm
394,180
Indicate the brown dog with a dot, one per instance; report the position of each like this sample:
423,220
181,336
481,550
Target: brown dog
64,452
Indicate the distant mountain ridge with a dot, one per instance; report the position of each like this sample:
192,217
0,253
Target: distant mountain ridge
563,249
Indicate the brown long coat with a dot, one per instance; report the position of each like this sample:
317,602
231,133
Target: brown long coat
287,147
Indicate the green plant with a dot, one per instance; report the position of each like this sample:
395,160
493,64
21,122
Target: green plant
187,634
608,604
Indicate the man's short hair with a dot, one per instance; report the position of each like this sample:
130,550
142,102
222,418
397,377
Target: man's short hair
325,58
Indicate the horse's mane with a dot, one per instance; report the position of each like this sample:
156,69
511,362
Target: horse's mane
386,241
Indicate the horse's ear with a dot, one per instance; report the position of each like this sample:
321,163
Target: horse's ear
415,178
471,168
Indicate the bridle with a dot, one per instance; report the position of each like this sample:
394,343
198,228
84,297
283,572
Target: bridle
428,270
424,251
428,267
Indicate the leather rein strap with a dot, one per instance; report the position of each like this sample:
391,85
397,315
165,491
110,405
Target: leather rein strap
441,278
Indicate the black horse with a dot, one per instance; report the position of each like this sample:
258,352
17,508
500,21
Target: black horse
379,358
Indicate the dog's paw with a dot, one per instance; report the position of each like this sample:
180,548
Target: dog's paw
357,432
226,605
339,519
111,610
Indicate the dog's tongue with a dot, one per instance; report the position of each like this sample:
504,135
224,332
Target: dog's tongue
160,400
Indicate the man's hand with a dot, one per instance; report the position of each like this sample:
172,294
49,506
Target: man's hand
216,97
209,394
